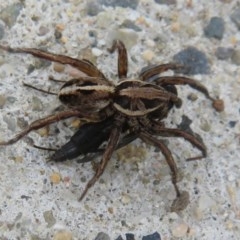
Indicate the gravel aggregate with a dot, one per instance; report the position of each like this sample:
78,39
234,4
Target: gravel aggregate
133,199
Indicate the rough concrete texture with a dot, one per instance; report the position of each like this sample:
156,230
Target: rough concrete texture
39,200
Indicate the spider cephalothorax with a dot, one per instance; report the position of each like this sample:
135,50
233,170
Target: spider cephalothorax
130,109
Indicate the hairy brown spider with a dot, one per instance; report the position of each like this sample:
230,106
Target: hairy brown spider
134,104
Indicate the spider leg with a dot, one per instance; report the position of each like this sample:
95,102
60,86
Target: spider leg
38,89
47,121
122,58
175,132
151,71
82,65
111,146
51,78
146,137
179,80
218,104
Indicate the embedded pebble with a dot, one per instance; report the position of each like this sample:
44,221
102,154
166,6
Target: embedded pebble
1,31
2,61
180,230
11,99
130,24
42,31
205,126
129,236
224,53
215,28
204,203
154,236
192,97
125,199
58,67
148,55
231,178
131,153
236,56
10,14
63,235
185,123
102,236
76,123
194,61
49,218
123,3
167,2
232,124
97,52
18,159
11,123
119,238
55,178
93,8
43,132
235,17
57,34
150,43
41,63
2,100
36,104
21,122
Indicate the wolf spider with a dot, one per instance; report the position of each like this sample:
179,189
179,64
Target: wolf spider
136,105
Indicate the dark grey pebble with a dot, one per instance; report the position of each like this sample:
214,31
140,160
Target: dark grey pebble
93,8
57,35
224,53
232,124
154,236
102,236
131,25
235,17
236,56
119,238
215,28
10,14
193,60
166,2
1,31
185,123
117,3
130,236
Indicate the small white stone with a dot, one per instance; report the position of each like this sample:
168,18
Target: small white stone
180,230
231,178
125,199
150,43
148,55
102,42
96,52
